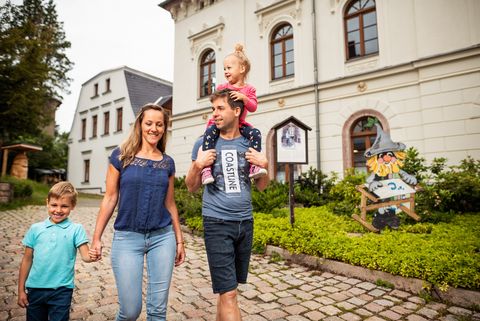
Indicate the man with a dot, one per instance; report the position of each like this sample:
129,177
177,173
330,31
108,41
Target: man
227,206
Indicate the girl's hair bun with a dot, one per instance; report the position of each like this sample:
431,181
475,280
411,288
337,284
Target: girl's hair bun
239,47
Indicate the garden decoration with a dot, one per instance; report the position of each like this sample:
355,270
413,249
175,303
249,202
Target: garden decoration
388,186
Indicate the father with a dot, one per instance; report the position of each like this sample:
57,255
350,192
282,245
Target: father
227,205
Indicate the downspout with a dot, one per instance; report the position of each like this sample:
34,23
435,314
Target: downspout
315,83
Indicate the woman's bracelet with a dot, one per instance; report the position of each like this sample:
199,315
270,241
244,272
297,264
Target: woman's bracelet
182,242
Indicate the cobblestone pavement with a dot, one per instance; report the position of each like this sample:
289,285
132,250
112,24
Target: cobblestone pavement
275,290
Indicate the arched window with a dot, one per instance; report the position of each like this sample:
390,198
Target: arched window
361,138
281,46
361,36
207,73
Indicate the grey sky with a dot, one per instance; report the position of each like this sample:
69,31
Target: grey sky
107,34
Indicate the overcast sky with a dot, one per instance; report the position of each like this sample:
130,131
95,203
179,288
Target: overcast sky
106,34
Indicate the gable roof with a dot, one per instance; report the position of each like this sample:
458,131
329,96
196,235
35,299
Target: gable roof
162,100
143,89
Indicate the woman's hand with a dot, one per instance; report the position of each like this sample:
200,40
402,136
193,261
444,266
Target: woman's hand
95,251
180,256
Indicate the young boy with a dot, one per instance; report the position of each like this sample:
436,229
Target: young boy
45,281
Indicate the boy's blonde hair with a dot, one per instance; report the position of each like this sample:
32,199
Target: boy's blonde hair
62,189
240,54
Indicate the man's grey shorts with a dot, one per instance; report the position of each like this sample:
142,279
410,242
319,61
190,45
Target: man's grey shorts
228,245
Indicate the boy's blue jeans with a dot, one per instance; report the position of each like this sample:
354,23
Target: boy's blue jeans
128,252
49,304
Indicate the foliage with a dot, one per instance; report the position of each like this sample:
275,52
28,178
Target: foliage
448,254
195,223
189,205
343,197
312,188
22,188
33,66
21,197
54,154
274,196
414,164
455,189
384,284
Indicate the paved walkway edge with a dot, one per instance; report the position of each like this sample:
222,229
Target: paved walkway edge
461,297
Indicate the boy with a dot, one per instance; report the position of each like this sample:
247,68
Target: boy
45,281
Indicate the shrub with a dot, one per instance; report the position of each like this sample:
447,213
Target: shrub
455,189
343,197
188,204
414,164
442,254
312,188
274,196
22,188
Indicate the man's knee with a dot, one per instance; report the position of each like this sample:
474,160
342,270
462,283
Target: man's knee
229,298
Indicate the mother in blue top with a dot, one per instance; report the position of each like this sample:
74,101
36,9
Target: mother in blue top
140,178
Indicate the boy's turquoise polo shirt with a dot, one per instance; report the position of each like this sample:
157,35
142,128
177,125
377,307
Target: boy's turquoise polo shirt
54,253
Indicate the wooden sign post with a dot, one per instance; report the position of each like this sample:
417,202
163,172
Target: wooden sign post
291,142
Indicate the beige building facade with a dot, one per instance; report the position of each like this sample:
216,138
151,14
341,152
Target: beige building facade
333,64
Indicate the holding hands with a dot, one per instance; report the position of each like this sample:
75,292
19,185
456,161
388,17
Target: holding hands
95,251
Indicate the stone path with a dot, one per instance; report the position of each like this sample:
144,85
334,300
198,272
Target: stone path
276,290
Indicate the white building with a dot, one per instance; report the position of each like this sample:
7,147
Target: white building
106,109
412,64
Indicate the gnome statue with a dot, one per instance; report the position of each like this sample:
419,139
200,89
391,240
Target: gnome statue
385,159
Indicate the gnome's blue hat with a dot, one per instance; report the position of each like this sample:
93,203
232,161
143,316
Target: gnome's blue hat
383,143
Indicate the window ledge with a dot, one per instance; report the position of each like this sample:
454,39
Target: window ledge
282,83
95,96
362,64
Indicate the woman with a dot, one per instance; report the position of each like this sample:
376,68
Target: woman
141,178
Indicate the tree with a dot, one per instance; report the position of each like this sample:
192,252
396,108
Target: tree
54,154
33,67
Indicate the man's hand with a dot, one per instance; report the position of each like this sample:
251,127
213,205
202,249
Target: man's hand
205,158
193,180
256,158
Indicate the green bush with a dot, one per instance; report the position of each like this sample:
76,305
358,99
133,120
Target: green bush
37,193
455,189
343,198
414,164
312,188
22,188
442,254
188,204
274,196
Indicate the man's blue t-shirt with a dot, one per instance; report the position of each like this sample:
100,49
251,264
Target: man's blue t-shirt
229,197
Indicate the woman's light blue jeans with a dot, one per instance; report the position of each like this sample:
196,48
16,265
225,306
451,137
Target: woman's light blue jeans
128,252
